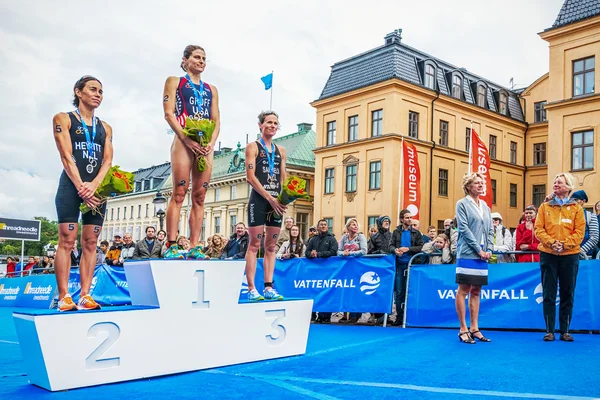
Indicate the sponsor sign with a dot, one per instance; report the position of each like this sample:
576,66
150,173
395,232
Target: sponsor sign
36,291
20,229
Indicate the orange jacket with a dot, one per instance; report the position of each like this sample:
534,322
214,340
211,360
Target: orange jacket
560,223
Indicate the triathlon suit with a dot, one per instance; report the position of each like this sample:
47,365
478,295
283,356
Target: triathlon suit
260,211
185,100
67,200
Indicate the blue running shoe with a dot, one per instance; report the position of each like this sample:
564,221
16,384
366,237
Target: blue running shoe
253,295
271,294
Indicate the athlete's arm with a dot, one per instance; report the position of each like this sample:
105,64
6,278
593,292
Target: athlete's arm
60,126
216,116
169,109
251,153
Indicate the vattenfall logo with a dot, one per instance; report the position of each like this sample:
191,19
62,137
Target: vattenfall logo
9,290
369,282
539,294
37,289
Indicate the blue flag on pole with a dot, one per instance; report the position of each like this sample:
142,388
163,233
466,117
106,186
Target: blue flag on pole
268,81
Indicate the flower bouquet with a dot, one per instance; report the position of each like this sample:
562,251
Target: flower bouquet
293,188
200,131
115,181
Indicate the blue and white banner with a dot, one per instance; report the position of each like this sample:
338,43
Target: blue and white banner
35,291
513,298
109,285
355,284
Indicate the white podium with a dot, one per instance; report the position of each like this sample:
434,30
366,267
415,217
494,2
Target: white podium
185,316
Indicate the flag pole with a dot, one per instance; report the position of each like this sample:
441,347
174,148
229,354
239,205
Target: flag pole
271,102
471,149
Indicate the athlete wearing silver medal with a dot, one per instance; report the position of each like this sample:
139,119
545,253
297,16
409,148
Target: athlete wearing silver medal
265,172
85,146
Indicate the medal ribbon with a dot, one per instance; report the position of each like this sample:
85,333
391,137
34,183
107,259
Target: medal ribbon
270,156
90,143
197,93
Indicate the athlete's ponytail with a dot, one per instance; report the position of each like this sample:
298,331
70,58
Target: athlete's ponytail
80,84
187,52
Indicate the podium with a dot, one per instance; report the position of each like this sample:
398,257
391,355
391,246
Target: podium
185,316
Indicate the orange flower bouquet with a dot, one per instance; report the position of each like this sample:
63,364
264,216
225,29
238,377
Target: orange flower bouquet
293,188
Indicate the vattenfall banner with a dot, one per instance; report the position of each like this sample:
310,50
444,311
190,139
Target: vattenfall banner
513,298
356,284
20,229
36,291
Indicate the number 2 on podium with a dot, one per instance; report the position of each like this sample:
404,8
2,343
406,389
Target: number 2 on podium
93,361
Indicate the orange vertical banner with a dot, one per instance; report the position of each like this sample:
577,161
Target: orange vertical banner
481,163
412,180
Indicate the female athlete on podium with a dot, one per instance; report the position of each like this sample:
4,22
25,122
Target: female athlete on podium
85,146
189,96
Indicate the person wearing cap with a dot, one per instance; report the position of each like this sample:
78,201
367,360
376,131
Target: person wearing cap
560,227
114,253
312,232
503,241
590,238
525,239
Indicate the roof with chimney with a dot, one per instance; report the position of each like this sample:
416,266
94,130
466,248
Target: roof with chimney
396,60
575,11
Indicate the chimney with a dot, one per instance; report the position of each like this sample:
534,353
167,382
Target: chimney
304,127
394,37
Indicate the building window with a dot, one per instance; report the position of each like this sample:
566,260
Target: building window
217,225
203,231
124,212
138,186
444,133
430,76
331,129
302,222
539,154
468,140
351,178
329,180
329,224
493,191
413,124
353,128
376,122
457,87
539,111
582,151
131,213
443,182
233,191
217,194
513,194
147,210
503,103
440,226
539,194
232,222
375,175
481,92
513,152
372,220
139,211
118,214
583,76
493,141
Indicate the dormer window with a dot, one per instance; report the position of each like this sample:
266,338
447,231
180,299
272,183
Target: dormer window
503,103
481,94
430,76
457,87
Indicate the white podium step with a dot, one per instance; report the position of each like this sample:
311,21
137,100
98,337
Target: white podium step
184,316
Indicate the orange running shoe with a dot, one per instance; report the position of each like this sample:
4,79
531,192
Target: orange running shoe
66,304
87,303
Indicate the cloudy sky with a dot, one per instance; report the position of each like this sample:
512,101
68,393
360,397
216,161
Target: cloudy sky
132,46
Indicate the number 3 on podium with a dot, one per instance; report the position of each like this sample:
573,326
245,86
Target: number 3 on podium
277,336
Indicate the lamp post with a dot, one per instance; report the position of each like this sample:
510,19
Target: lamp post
159,202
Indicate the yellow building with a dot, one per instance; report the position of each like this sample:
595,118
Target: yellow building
373,101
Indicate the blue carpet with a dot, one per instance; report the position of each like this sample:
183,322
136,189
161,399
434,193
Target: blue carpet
350,362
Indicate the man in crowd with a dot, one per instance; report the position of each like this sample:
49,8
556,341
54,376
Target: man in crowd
312,232
590,238
29,266
406,242
237,245
114,253
432,232
101,252
322,245
127,249
75,255
149,247
416,224
284,234
503,241
380,241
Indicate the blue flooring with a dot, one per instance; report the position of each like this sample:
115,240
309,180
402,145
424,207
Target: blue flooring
360,362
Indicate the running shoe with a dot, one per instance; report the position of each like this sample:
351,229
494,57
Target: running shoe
196,253
87,303
253,295
271,294
66,304
173,252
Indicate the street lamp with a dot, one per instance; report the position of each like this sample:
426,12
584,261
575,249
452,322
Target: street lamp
160,202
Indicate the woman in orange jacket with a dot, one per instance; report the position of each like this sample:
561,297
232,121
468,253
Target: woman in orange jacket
560,227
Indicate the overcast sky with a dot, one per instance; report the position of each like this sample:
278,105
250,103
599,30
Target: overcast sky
132,46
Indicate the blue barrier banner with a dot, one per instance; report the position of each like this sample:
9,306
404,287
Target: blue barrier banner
513,298
355,284
109,285
35,291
